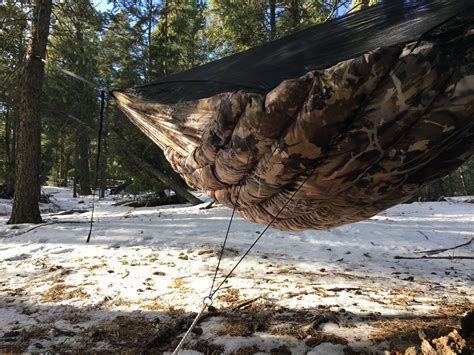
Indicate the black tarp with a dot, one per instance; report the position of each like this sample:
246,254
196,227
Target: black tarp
262,68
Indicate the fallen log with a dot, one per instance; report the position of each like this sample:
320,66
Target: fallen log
151,170
466,257
157,174
150,201
119,188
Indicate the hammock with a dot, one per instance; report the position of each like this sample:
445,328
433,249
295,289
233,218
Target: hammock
325,127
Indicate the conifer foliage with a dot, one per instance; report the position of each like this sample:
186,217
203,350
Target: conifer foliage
48,127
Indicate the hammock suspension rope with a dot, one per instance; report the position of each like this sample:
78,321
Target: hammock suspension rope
207,301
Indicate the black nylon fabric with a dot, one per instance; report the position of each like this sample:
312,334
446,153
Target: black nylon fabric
262,68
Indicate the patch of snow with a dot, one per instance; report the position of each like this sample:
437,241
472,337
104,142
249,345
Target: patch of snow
153,262
327,349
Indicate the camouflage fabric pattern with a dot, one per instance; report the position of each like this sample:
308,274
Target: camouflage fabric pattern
332,147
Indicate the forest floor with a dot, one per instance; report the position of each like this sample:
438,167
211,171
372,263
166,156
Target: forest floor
140,281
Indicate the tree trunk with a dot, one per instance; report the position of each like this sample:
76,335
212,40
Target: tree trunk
105,150
62,162
440,189
83,163
68,167
164,17
14,102
28,154
148,69
7,138
180,190
272,6
463,180
294,9
74,186
86,111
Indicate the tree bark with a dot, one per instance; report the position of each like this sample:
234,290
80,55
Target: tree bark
463,180
272,6
164,17
83,162
294,9
14,103
7,138
440,189
28,154
148,69
105,151
62,168
85,112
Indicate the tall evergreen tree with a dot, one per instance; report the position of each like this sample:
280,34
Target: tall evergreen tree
27,185
236,26
176,42
132,43
13,34
145,40
72,104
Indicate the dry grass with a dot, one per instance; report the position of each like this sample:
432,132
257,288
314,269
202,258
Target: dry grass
92,267
287,270
123,302
315,291
128,332
58,275
312,336
154,304
231,295
76,318
208,252
402,334
407,292
24,339
351,277
395,326
236,329
175,311
452,310
63,292
178,282
290,330
135,334
139,334
151,304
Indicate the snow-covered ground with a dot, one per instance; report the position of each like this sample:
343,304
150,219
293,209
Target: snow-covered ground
139,282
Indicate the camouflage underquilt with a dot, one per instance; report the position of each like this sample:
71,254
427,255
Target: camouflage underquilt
334,146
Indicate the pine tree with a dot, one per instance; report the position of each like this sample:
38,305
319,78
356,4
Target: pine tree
357,5
27,185
13,33
72,104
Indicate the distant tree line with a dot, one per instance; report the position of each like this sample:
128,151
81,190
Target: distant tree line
131,43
